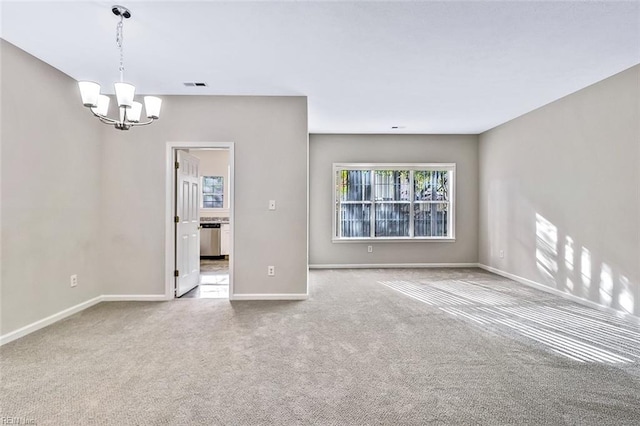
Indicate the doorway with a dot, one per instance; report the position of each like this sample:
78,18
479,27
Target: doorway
214,279
200,212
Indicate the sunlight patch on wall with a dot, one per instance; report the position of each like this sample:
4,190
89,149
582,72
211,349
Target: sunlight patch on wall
572,268
569,284
606,285
586,268
568,253
625,298
546,247
568,261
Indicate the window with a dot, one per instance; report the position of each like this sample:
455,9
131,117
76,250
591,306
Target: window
212,192
394,201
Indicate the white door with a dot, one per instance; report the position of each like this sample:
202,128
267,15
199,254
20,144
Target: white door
187,223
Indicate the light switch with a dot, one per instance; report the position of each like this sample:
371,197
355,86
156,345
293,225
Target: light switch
272,204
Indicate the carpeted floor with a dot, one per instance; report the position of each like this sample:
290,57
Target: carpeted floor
370,347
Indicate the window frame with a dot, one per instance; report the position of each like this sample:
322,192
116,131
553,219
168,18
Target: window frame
411,167
202,193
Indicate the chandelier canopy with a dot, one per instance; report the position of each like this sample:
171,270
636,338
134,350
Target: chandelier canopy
130,110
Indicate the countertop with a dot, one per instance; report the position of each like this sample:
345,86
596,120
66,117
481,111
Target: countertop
221,220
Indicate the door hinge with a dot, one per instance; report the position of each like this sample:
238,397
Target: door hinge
176,219
177,165
176,273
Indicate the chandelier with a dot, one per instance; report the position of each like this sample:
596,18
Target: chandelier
130,110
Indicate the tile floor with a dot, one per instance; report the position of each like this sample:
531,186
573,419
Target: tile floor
214,280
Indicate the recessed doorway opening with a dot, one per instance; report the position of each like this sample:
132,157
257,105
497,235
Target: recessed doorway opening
199,253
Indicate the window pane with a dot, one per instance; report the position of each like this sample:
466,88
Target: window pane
392,185
217,201
354,185
355,220
212,192
430,220
392,220
431,185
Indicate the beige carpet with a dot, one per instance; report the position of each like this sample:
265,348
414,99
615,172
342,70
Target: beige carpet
369,347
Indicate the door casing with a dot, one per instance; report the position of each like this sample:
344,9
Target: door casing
170,191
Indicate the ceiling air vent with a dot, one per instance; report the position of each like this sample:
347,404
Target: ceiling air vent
195,84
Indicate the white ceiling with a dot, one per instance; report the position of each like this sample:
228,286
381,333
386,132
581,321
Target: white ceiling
430,67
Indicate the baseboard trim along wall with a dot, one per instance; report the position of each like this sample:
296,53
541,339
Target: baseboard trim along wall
134,298
28,329
259,296
23,331
393,265
538,286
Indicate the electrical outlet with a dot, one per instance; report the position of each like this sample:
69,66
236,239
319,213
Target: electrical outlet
272,204
369,249
501,254
74,280
271,271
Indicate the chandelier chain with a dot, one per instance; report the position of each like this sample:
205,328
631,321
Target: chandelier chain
119,40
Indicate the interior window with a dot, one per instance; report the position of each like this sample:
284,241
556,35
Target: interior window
212,192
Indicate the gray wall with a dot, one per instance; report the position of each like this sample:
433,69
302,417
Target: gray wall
270,136
82,198
51,174
560,194
324,150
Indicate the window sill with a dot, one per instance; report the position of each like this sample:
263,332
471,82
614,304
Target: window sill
393,240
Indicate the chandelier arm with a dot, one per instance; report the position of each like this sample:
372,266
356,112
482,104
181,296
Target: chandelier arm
107,120
146,123
104,119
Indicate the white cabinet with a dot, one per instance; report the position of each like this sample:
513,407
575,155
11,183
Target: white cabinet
225,239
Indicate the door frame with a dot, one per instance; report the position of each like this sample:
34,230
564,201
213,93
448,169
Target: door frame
170,197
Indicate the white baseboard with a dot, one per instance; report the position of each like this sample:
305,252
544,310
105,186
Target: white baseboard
258,296
30,328
27,329
134,298
392,265
23,331
538,286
